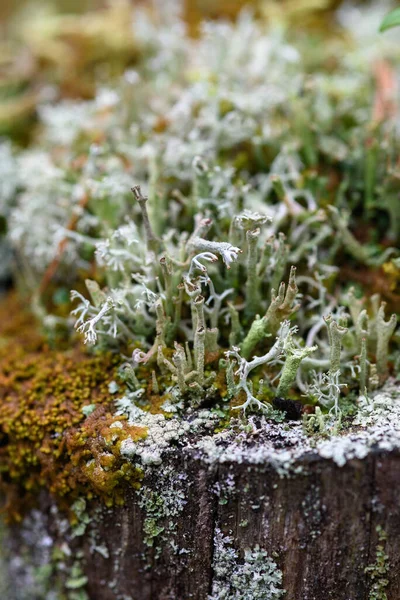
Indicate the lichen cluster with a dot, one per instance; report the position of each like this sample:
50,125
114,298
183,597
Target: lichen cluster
255,576
378,572
225,220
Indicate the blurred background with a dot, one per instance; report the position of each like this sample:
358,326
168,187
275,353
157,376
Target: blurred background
195,9
61,48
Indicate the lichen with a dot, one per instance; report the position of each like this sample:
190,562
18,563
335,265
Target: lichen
377,572
222,219
219,217
30,566
375,426
251,575
162,508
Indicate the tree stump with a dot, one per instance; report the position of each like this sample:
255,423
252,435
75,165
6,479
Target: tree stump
201,528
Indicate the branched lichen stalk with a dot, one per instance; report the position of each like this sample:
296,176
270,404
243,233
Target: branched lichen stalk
281,257
166,267
199,321
253,281
335,334
373,379
362,326
235,325
179,360
384,331
283,304
227,252
258,331
265,257
151,238
211,340
199,353
294,356
161,323
281,307
363,366
245,367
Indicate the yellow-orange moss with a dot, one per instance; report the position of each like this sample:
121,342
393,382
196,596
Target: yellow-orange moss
45,439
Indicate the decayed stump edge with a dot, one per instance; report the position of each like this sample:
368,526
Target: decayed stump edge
320,524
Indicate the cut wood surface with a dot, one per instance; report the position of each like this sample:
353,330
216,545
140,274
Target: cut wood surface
322,527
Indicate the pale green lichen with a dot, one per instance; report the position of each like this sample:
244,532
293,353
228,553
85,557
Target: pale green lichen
199,210
256,205
251,575
162,508
378,572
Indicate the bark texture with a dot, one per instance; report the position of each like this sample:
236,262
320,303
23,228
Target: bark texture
321,525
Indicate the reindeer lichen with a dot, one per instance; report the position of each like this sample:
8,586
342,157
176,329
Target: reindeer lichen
219,230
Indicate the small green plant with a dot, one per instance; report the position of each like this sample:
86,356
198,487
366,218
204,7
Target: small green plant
392,19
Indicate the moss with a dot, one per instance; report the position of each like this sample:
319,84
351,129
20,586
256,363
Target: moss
45,439
58,429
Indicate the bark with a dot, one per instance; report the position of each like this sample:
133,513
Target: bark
319,524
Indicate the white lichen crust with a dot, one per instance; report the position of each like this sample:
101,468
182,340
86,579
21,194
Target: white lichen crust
376,427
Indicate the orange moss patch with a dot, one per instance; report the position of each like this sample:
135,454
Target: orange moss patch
45,439
94,450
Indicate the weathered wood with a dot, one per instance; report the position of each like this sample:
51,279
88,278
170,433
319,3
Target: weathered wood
157,572
385,500
320,525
